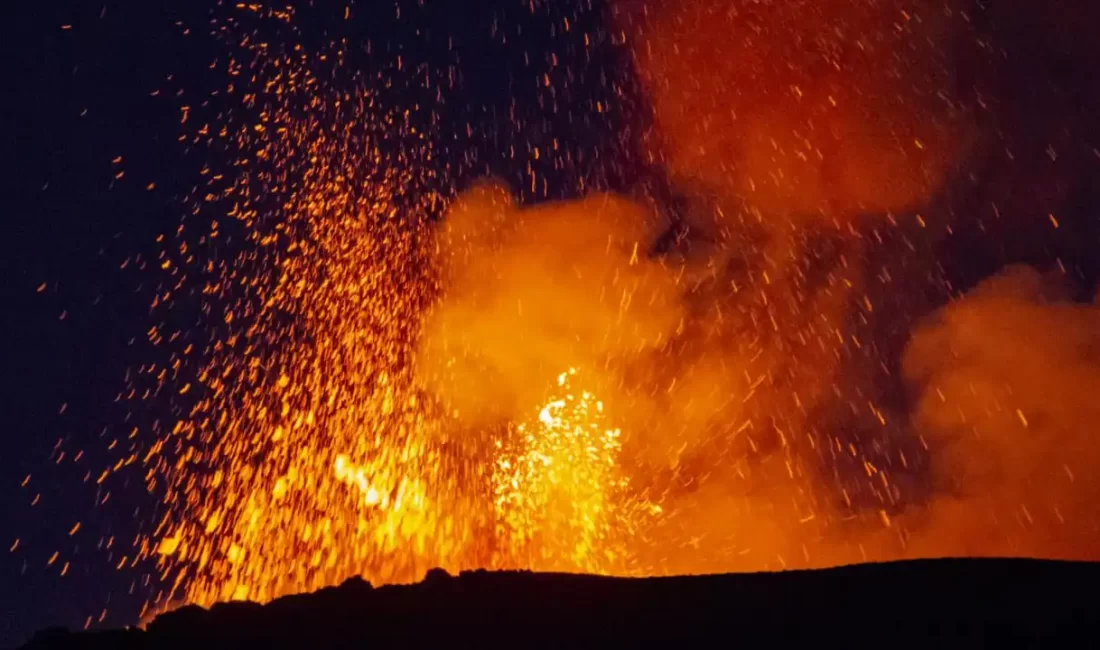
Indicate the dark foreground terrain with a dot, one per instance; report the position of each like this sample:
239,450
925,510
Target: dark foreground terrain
934,603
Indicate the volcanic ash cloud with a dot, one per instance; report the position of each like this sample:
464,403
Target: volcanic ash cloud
1007,382
708,369
532,292
804,109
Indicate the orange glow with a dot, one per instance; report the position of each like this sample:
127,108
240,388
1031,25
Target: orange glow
377,391
305,456
311,450
806,109
559,494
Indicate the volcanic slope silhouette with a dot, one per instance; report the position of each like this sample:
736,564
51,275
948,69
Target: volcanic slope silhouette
923,603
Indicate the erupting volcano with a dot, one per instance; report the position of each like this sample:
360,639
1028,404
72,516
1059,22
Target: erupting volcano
374,349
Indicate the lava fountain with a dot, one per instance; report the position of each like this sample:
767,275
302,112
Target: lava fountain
371,389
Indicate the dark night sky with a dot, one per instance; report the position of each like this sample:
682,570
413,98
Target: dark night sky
68,227
75,99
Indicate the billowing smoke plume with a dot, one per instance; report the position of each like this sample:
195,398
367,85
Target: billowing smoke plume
750,346
532,292
1006,381
726,399
829,117
804,109
712,360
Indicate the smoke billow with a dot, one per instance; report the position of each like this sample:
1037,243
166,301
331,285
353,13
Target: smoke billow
813,116
751,347
713,361
1006,381
532,292
729,391
808,109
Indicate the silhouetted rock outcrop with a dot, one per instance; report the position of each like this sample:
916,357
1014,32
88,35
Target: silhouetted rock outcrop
932,603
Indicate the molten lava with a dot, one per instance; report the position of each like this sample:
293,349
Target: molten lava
560,497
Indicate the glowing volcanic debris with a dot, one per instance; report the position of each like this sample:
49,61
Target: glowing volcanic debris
302,449
558,493
306,367
307,454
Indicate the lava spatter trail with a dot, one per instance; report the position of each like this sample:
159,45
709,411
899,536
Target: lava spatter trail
305,455
305,451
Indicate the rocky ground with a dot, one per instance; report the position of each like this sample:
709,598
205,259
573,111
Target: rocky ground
934,603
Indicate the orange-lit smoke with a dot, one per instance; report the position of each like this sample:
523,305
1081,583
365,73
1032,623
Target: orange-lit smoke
804,109
725,358
1006,381
532,291
714,414
711,370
